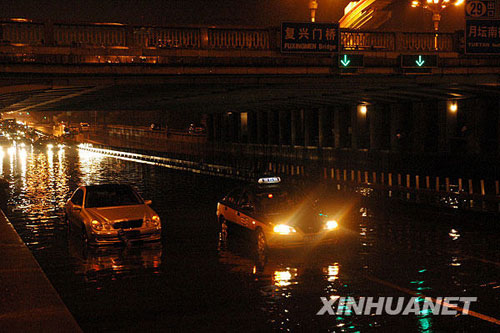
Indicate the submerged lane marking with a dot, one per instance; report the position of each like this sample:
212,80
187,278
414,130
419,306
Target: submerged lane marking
451,306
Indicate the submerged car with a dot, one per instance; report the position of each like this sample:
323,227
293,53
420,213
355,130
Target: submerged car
112,213
277,216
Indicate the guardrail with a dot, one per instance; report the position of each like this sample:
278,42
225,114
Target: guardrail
229,161
211,38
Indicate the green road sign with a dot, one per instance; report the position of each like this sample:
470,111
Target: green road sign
419,61
351,61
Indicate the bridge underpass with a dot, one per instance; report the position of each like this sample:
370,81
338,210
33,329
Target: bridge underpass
375,122
319,111
376,132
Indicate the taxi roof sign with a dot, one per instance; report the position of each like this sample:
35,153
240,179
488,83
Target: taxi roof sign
269,180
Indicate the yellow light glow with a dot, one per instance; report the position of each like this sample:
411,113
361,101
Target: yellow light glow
283,229
332,271
453,107
285,278
11,151
363,109
330,225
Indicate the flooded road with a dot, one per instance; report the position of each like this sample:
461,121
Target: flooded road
190,282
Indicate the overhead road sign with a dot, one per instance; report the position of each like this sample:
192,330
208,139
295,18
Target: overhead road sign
484,9
351,61
310,37
482,37
419,61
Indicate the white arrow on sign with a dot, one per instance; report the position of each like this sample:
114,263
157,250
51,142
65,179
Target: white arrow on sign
420,61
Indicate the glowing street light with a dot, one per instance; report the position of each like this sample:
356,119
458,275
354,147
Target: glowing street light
435,7
313,6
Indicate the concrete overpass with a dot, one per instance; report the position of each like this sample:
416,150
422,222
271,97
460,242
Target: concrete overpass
253,93
64,66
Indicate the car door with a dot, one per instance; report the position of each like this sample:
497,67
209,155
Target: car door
75,207
246,209
229,210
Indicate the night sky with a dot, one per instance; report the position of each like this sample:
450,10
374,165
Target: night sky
232,12
216,12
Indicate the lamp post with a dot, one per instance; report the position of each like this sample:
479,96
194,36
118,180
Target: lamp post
313,6
435,7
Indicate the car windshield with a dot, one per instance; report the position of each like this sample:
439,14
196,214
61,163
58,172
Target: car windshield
110,196
275,200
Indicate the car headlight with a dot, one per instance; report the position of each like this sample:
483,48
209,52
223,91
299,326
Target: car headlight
332,224
154,221
97,225
284,229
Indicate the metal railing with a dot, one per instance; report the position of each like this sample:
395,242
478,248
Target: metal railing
212,38
253,39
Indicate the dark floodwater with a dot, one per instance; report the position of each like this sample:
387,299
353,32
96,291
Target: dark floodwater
188,282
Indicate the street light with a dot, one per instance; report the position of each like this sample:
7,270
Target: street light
435,7
313,6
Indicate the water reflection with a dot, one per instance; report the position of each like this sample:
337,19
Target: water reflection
288,286
107,263
291,284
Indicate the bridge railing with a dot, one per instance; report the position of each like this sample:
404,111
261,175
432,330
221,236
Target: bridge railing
376,41
211,38
252,39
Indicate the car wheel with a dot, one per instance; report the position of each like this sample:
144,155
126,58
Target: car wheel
260,242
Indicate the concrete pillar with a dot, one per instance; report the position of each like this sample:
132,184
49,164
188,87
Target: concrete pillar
251,127
419,127
217,124
243,127
378,127
238,135
308,128
210,128
232,127
398,132
225,128
261,126
497,112
353,110
283,127
271,131
447,118
336,128
294,122
324,127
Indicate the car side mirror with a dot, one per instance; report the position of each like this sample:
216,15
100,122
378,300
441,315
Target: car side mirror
148,202
77,207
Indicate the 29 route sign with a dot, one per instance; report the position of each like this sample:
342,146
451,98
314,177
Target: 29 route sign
480,9
419,61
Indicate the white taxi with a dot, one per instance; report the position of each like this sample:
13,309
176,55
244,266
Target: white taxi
277,216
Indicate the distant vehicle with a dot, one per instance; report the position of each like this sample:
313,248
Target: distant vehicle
194,129
276,216
46,142
112,213
84,127
74,129
156,127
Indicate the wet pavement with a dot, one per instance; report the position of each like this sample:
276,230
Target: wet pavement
189,281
